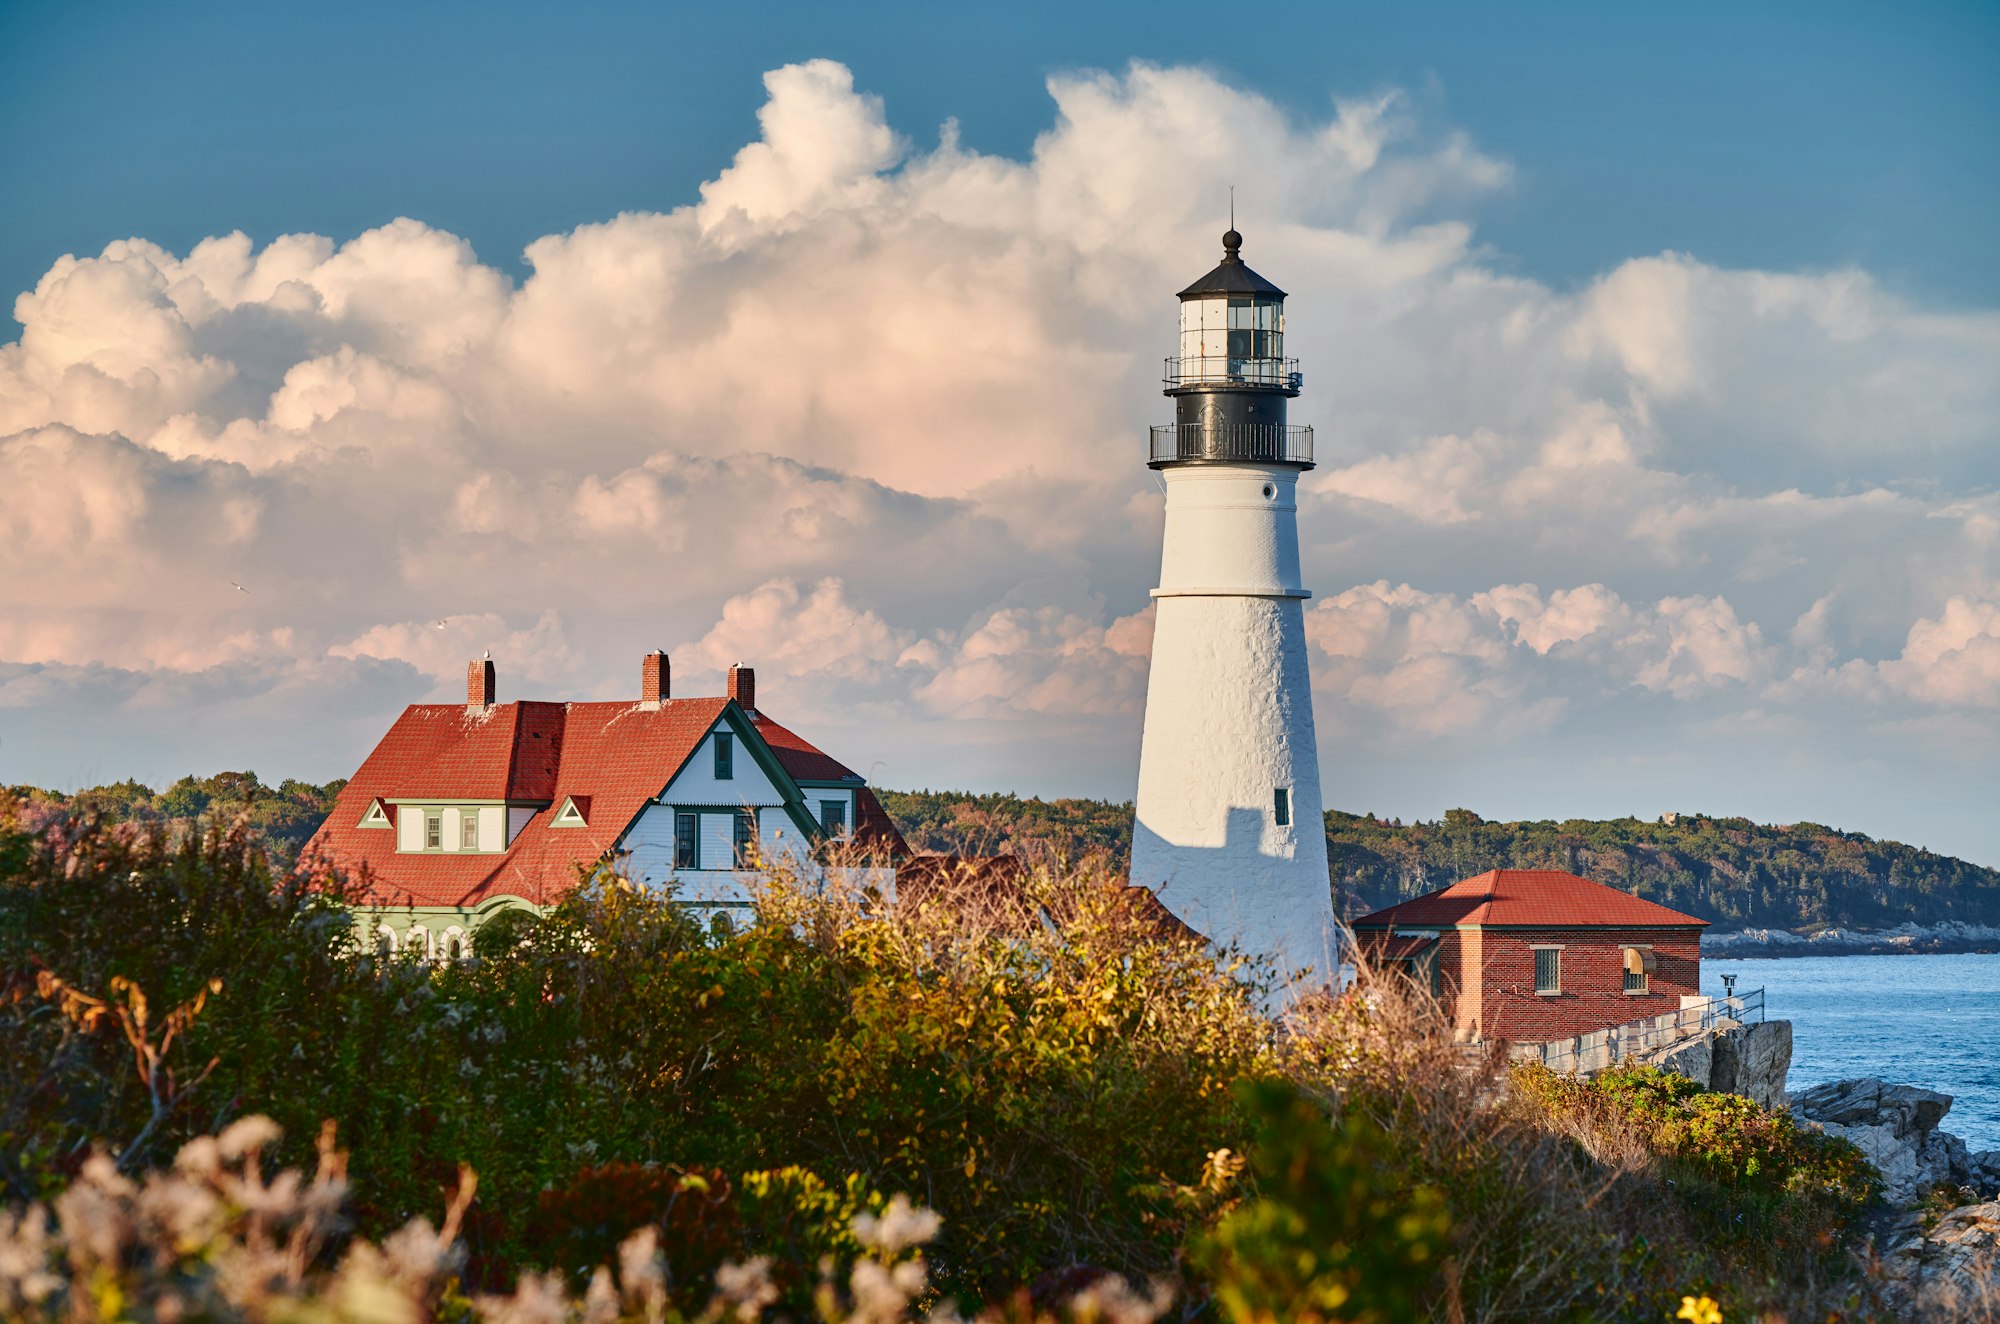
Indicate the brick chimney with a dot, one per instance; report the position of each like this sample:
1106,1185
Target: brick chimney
654,676
480,684
743,686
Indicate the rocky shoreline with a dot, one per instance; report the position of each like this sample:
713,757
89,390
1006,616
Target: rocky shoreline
1940,1241
1904,939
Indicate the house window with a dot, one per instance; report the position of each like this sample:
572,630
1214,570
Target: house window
1283,806
433,830
1548,970
833,817
385,942
725,756
687,850
468,829
746,839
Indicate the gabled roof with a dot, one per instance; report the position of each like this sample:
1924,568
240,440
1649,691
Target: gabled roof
610,758
1528,898
799,758
873,830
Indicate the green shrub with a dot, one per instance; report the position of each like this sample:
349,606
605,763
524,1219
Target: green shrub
1337,1229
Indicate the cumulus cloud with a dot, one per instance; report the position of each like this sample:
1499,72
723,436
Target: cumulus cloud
866,414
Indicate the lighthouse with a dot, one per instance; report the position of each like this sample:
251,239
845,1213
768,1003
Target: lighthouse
1230,835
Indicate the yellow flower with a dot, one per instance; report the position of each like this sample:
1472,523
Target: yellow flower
1700,1309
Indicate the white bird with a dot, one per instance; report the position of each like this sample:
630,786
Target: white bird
440,624
238,587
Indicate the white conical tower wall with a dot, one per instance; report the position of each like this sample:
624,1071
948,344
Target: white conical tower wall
1229,722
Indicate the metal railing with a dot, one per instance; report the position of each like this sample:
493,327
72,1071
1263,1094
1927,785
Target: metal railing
1607,1048
1258,443
1227,370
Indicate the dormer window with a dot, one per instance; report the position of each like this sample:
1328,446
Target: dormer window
468,829
833,817
433,830
571,813
376,817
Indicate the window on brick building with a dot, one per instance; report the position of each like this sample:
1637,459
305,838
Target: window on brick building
1548,970
1638,969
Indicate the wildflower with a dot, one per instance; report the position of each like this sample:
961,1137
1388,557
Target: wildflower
538,1299
745,1289
1699,1310
25,1247
245,1135
899,1227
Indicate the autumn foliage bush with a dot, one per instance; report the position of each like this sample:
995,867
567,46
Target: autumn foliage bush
1075,1098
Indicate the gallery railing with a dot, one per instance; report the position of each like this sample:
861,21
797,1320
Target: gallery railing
1259,443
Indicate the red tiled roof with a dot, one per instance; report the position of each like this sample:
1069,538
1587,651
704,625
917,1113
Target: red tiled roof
612,756
874,830
1529,898
798,756
609,757
1381,947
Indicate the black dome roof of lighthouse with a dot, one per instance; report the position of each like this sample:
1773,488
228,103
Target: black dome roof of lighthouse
1232,277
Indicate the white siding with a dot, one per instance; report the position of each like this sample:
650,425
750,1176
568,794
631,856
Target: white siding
697,784
778,837
453,833
712,887
409,828
517,818
493,827
650,847
718,841
818,795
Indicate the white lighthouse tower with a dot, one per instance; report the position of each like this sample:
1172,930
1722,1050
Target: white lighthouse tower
1230,833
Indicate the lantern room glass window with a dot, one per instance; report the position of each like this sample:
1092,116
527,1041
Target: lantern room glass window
1233,338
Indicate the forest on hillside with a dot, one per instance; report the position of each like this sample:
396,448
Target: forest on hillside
1730,871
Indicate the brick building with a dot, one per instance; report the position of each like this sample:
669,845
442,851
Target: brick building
1532,955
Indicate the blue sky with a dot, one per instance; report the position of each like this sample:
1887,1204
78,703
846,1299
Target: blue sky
1774,135
1655,354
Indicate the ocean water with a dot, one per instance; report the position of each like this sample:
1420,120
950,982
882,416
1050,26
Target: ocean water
1932,1021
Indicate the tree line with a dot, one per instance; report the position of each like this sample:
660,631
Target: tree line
1729,871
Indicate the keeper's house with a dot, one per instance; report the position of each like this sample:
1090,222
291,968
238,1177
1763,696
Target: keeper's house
1534,955
464,811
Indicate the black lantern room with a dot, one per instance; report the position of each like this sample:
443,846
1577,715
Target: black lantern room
1231,380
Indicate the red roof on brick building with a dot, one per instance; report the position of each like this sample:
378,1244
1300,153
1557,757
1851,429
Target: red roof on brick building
610,758
1528,898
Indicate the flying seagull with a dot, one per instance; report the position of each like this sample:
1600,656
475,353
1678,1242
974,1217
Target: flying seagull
441,624
238,587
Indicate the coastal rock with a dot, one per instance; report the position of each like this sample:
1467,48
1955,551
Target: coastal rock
1895,1126
1753,1060
1947,1269
1693,1058
1985,1172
